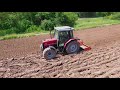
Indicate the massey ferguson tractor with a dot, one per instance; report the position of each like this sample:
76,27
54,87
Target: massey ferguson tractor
62,41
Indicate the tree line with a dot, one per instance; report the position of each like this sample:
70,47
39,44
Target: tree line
24,21
20,22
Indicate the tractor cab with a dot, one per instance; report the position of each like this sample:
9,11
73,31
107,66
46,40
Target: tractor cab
63,34
63,41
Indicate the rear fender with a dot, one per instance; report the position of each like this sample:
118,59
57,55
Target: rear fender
69,42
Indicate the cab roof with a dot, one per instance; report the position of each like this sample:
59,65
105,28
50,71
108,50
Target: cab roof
63,28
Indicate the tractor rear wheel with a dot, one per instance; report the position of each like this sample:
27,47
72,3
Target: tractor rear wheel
49,53
72,47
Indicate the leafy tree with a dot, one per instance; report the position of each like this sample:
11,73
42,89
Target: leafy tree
19,22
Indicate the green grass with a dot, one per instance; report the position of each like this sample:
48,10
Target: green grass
86,23
11,36
81,24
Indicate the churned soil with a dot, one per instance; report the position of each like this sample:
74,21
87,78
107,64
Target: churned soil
22,58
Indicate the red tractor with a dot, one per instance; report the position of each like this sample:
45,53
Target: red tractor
63,41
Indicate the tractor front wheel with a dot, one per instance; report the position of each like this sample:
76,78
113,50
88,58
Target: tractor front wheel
49,53
72,47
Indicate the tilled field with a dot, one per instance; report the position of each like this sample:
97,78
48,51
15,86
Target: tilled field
21,58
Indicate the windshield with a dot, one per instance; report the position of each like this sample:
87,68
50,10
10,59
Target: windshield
71,34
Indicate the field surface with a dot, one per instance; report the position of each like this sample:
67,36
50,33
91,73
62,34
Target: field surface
21,58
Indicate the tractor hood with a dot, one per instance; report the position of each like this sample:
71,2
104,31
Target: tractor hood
49,42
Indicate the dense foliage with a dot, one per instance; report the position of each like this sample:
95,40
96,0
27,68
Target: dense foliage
19,22
22,22
114,16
